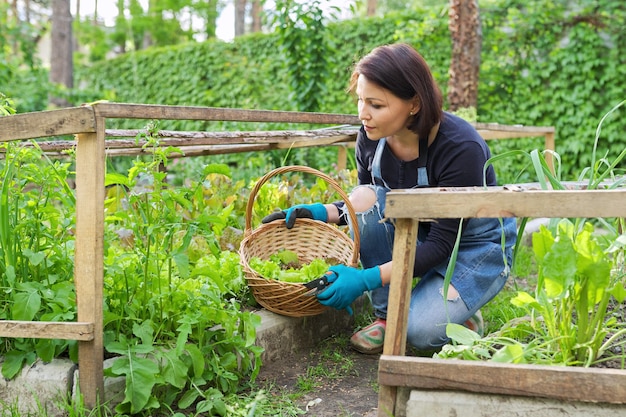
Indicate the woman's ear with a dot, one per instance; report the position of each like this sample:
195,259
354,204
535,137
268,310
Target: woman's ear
415,106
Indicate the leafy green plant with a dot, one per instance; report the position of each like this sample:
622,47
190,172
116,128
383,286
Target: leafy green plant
302,38
567,319
7,106
468,345
579,274
576,281
35,252
166,270
275,268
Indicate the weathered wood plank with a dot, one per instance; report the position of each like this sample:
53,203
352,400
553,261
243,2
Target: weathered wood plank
149,111
195,150
559,382
398,311
47,330
47,123
500,202
88,259
504,134
221,138
513,128
209,143
401,278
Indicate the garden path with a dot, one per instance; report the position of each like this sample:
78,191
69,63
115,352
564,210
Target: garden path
332,379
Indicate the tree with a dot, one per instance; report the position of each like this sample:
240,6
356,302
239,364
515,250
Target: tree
257,9
240,17
466,34
61,65
371,7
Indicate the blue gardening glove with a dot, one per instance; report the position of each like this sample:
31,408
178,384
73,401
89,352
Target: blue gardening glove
315,211
347,284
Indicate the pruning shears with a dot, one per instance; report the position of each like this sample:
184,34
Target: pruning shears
317,285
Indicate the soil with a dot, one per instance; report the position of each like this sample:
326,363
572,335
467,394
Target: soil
332,380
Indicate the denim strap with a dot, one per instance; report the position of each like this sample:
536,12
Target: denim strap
422,174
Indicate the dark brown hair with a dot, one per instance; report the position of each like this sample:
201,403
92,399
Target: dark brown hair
401,69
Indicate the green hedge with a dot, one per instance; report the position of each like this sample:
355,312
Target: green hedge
542,64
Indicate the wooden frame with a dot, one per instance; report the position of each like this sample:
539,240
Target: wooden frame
122,141
88,124
407,207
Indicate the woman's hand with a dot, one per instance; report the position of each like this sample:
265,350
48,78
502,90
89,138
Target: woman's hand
347,284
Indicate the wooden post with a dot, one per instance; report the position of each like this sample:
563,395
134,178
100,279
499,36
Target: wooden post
88,266
342,158
398,311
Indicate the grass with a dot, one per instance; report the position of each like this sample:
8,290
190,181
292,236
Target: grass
332,364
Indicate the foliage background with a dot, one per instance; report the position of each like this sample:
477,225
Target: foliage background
542,64
554,63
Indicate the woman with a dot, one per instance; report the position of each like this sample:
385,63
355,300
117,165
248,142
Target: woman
407,141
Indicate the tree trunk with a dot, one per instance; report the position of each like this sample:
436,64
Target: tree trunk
371,7
240,17
257,8
465,31
61,66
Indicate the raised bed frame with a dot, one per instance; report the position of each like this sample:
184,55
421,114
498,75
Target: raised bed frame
93,143
407,207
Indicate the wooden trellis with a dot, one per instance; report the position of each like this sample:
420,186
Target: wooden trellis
93,142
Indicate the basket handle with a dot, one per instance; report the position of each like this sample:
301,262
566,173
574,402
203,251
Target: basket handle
309,170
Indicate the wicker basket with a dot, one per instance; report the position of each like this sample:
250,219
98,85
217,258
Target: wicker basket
308,238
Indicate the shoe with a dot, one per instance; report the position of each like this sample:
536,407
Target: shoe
370,339
476,323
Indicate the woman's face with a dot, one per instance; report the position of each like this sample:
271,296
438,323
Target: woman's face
382,113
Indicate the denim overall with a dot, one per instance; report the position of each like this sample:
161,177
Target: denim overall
480,272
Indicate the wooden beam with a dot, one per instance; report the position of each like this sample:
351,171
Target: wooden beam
505,134
185,138
531,130
209,143
47,123
470,202
150,111
195,150
89,258
568,383
47,330
398,311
